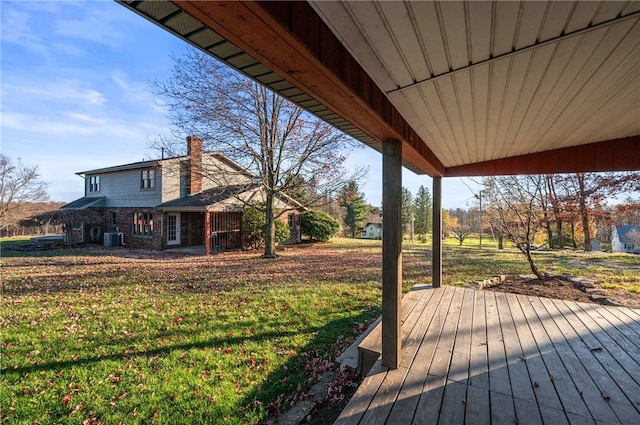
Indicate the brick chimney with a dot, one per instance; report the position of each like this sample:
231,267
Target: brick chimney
194,150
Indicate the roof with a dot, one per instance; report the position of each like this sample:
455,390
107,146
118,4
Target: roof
200,201
85,202
625,232
156,162
378,225
470,88
131,166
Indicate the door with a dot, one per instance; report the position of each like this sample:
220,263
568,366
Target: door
173,229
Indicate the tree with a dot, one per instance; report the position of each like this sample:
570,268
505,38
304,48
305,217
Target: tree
356,209
423,211
460,232
282,145
515,211
407,211
19,184
585,192
253,230
449,223
555,203
319,225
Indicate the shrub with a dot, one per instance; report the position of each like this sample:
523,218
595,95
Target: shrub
253,221
318,225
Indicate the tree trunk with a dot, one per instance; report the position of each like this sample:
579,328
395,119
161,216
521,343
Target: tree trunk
559,232
500,243
532,264
547,226
584,214
269,229
573,234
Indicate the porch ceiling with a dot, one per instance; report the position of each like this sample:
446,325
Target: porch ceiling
469,87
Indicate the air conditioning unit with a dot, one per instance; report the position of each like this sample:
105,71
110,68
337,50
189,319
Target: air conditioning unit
111,239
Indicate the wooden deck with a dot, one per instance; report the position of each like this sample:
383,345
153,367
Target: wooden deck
483,357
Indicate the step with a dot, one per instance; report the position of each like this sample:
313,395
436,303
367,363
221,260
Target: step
366,350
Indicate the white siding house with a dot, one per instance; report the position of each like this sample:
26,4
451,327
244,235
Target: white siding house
626,239
372,231
189,200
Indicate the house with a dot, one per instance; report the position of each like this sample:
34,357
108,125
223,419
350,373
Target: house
626,239
191,200
372,231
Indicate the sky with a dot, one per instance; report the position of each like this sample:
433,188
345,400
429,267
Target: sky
75,96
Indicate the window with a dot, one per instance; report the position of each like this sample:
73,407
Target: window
291,220
112,218
94,183
147,180
142,224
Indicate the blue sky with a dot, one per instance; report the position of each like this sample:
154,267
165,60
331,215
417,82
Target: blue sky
75,95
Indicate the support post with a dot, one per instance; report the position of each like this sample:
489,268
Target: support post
391,252
436,271
207,233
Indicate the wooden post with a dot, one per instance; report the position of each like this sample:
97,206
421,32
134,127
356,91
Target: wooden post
207,233
436,266
391,252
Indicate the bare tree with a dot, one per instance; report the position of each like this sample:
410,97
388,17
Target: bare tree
588,191
460,232
555,203
19,184
277,141
515,212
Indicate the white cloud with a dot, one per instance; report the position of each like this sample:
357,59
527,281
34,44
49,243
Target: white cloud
69,124
94,25
36,91
16,29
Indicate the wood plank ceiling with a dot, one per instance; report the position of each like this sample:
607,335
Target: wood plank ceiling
478,87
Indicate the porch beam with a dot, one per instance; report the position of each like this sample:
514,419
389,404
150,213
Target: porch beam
612,155
436,240
391,252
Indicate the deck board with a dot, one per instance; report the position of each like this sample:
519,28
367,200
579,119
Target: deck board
481,357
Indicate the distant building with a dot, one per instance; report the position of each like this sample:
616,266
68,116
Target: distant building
626,239
372,231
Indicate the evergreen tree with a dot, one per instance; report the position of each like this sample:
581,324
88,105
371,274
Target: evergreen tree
356,208
407,210
423,211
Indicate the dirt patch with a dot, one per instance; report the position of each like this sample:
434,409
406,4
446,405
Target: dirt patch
327,412
559,287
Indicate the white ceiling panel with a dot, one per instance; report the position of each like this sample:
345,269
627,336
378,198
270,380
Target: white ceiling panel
484,80
531,19
430,36
480,13
556,19
506,22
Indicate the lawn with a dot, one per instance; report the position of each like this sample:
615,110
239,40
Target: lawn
99,335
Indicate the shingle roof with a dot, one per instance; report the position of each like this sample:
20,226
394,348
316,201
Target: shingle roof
624,232
156,162
85,202
205,198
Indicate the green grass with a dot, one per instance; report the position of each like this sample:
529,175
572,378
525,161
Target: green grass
177,340
116,335
13,242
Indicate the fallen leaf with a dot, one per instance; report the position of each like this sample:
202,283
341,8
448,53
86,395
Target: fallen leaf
66,399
